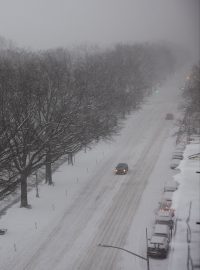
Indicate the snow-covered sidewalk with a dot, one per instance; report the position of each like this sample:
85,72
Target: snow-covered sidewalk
185,248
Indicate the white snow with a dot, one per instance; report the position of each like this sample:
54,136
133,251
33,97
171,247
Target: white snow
188,191
86,205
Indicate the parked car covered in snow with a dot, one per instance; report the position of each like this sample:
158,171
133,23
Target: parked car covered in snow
162,230
121,168
158,246
171,185
177,155
175,163
164,216
167,199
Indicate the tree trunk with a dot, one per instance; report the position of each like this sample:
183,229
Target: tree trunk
48,170
70,159
24,197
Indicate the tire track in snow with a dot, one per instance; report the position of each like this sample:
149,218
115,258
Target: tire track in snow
77,217
114,228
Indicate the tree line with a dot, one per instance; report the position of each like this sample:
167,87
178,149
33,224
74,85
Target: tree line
57,102
191,91
191,95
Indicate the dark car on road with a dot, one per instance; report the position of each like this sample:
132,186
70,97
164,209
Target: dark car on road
169,116
121,168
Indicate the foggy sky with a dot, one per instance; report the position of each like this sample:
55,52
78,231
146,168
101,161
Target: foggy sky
42,24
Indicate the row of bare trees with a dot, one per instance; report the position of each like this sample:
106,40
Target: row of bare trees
191,91
191,94
56,102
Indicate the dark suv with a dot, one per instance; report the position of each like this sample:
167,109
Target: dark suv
121,168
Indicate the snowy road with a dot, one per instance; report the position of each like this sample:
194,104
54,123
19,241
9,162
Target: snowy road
104,207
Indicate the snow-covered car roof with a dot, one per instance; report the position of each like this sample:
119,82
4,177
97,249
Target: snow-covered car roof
168,196
174,163
164,215
158,240
161,229
171,185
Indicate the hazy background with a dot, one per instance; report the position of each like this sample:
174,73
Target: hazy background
42,24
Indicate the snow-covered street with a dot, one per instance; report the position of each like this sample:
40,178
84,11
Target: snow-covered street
90,205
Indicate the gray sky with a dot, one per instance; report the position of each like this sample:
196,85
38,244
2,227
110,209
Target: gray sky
41,24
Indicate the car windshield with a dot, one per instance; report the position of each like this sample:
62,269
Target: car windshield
121,165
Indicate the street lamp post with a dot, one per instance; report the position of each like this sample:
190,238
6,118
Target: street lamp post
198,222
132,253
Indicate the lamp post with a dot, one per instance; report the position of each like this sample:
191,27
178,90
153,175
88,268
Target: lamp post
132,253
198,222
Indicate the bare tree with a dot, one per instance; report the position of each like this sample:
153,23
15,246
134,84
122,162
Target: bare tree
53,103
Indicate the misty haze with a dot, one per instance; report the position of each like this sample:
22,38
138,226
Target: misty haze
99,135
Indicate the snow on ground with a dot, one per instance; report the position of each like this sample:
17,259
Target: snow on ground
185,246
58,213
24,225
